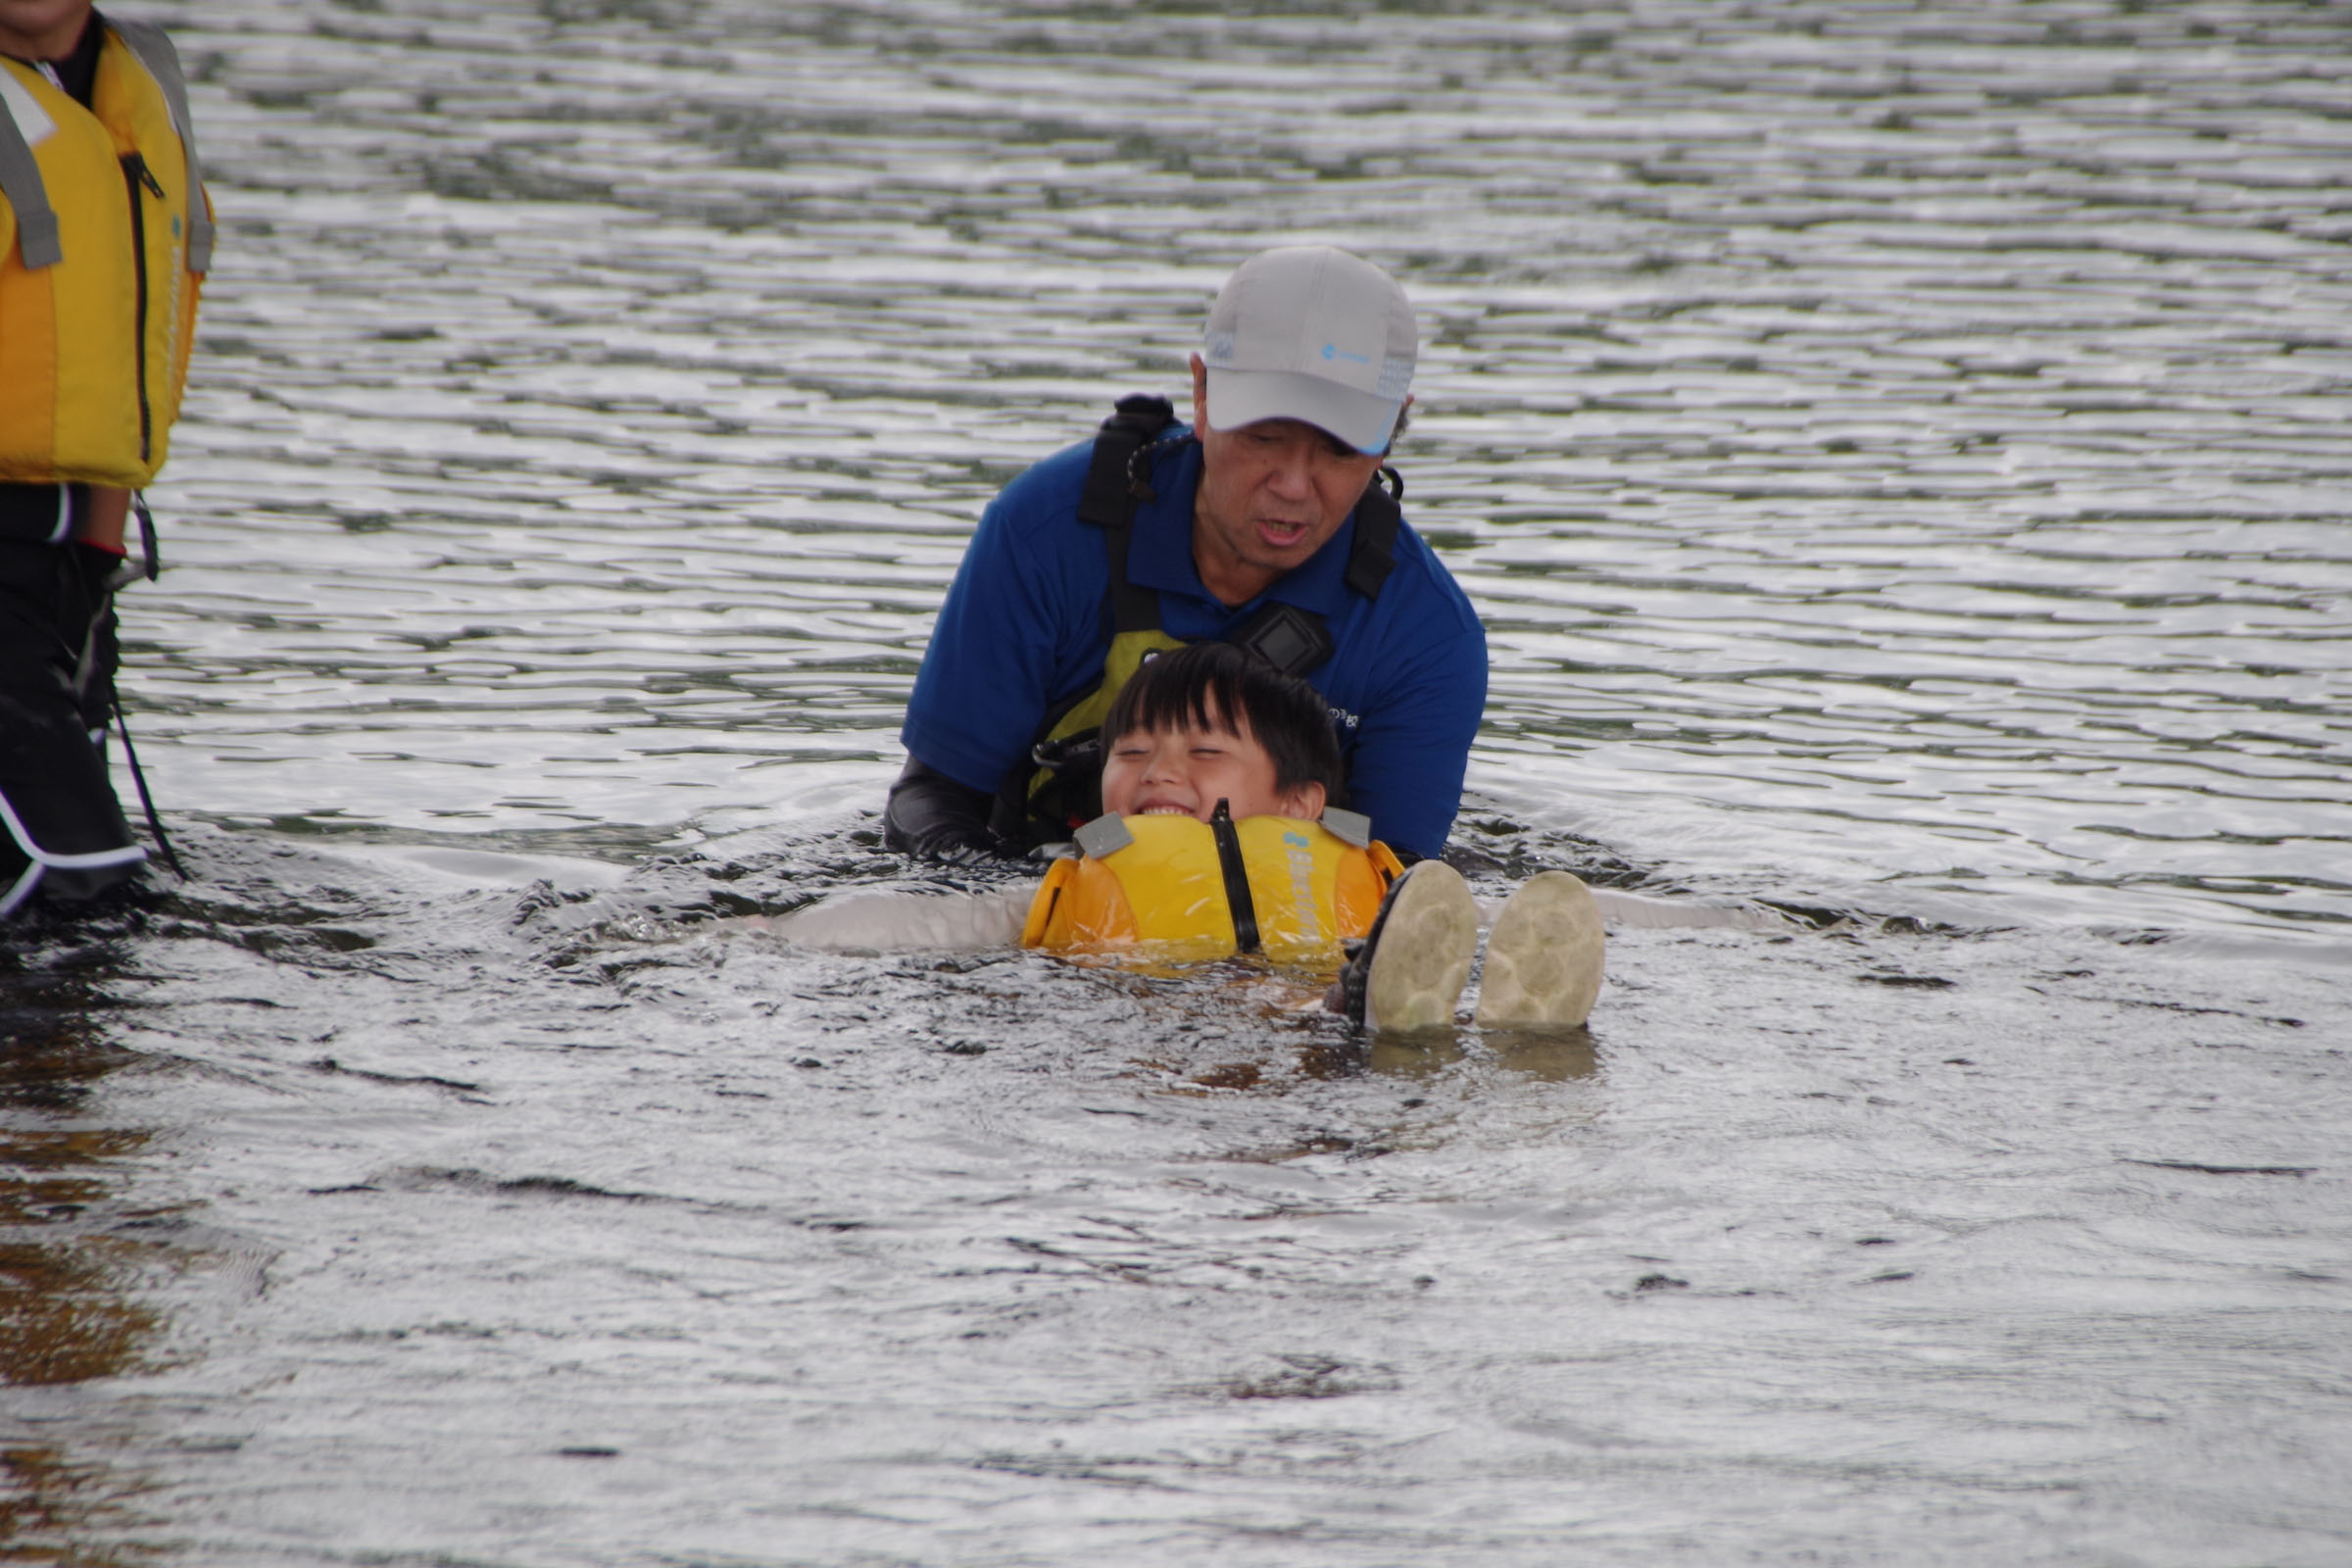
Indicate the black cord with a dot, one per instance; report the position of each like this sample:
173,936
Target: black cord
139,776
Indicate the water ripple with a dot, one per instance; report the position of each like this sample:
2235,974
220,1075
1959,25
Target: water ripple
1915,434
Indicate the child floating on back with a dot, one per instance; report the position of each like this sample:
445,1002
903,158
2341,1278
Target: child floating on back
1218,837
1214,839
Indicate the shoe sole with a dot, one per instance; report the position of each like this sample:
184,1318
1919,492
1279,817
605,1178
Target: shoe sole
1544,958
1421,953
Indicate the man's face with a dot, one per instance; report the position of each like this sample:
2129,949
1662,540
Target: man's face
1271,494
1186,771
41,30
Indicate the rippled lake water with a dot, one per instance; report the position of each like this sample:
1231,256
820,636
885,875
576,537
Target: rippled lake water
1899,452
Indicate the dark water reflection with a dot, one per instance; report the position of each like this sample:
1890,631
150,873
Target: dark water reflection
65,1315
73,1302
1897,450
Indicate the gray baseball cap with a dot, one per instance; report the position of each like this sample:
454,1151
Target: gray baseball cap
1311,332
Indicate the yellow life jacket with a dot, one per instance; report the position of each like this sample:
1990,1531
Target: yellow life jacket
104,234
1192,890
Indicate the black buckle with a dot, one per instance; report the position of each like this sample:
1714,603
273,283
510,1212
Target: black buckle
1291,640
1082,750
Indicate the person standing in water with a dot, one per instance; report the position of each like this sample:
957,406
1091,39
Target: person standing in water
1263,523
105,236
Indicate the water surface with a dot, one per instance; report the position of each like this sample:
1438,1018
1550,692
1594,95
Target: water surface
1898,453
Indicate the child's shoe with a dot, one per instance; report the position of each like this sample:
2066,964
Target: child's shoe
1409,973
1544,956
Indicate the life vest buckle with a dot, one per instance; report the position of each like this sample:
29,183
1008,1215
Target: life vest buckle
1284,636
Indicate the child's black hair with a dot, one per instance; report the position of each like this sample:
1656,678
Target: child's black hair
1218,686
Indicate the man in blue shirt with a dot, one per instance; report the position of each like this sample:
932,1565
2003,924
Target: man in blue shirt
1263,523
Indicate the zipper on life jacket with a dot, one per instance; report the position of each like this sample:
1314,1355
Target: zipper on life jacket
1237,879
137,177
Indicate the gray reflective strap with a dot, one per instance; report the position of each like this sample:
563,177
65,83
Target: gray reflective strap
84,860
1104,836
22,889
20,184
154,49
1351,827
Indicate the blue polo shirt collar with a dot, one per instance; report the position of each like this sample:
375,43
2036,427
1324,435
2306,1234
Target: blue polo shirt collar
1159,555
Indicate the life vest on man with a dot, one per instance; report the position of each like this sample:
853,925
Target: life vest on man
105,235
1059,785
1190,890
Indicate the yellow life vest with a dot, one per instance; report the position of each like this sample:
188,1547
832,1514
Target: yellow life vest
104,235
1170,883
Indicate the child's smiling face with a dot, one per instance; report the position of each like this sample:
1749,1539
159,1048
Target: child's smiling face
1186,771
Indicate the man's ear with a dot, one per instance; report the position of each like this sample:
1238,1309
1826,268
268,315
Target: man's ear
1304,802
1200,394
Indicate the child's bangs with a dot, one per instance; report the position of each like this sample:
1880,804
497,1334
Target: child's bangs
1216,686
1209,698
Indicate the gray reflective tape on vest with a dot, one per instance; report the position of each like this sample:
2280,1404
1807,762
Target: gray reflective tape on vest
154,49
1104,836
1348,827
20,184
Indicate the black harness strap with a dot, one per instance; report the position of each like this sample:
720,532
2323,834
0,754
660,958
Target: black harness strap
1112,489
1238,901
1110,496
1374,554
1131,606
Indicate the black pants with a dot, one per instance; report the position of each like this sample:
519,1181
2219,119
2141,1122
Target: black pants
61,831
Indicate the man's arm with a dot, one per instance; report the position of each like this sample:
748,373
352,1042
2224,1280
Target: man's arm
1413,747
1015,629
932,817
